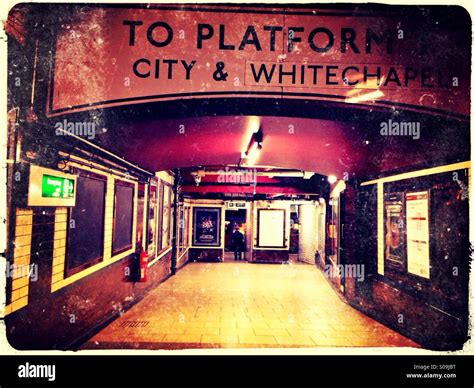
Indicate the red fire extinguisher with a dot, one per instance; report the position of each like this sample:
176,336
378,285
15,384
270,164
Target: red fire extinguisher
143,265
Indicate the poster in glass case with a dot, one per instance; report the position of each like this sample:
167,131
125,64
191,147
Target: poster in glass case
394,231
418,234
206,226
271,228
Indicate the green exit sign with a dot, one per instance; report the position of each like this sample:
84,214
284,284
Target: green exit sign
49,187
57,187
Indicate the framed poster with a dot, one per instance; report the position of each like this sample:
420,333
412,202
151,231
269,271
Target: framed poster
271,228
206,226
140,235
152,217
165,220
394,231
418,234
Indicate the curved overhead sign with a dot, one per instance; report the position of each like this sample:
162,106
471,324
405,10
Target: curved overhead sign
116,55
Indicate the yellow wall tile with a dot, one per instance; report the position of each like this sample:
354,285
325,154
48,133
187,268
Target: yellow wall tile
20,212
21,251
59,248
15,295
57,277
61,251
24,230
21,241
58,269
22,302
60,234
60,226
23,291
20,282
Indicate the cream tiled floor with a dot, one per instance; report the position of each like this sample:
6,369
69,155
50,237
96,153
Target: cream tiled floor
234,305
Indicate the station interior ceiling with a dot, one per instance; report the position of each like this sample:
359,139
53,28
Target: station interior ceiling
327,146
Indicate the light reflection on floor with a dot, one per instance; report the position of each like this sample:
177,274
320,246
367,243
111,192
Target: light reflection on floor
235,305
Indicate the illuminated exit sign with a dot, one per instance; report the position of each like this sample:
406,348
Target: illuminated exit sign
48,187
57,187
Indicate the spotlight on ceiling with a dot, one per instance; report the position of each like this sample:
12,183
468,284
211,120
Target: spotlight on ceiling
258,138
254,146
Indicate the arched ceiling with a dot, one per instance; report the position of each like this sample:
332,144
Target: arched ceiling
308,144
345,148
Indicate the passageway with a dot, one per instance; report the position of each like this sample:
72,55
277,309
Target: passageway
229,305
128,192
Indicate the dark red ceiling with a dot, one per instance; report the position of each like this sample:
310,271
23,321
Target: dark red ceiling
320,145
323,146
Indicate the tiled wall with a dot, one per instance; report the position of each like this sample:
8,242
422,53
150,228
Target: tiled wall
38,312
59,247
60,234
21,260
109,218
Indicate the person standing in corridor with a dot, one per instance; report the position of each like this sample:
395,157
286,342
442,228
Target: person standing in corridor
237,240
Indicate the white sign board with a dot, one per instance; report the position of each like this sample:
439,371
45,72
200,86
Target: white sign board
271,228
418,234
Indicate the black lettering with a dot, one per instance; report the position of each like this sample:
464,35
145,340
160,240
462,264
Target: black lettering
157,68
329,74
344,77
368,75
370,35
292,38
410,75
392,76
329,35
315,72
168,30
291,73
132,24
348,36
135,68
170,63
426,74
201,36
263,70
222,45
254,40
188,67
272,30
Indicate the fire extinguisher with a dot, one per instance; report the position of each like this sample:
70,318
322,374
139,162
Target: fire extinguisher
143,266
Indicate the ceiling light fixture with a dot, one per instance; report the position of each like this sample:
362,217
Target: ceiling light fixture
197,175
251,154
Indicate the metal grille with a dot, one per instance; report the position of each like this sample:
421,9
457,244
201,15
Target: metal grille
311,233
